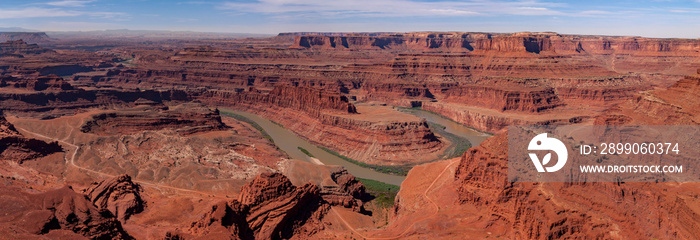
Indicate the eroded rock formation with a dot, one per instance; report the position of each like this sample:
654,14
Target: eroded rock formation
61,213
678,104
119,195
39,83
336,124
568,210
309,100
15,147
51,104
187,118
19,48
269,207
515,42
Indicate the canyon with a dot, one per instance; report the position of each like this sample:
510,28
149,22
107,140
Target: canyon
103,138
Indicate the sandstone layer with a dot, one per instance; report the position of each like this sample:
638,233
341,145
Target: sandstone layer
269,207
516,42
187,118
19,48
678,104
119,195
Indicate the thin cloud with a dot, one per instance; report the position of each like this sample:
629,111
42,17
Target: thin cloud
33,12
40,12
69,3
684,10
593,12
392,8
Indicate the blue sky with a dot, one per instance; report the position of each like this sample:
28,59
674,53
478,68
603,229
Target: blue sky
656,18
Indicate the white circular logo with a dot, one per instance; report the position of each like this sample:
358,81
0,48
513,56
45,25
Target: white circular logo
542,142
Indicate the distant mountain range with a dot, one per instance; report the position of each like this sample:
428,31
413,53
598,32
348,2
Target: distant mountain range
16,29
125,33
16,33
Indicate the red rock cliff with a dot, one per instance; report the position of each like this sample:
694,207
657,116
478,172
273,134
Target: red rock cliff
569,210
515,42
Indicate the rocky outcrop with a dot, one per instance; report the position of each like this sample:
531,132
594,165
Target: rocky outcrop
119,195
277,208
348,191
186,118
19,48
225,220
269,207
348,183
17,148
32,214
565,210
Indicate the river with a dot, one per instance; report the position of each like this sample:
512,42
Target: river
475,137
289,142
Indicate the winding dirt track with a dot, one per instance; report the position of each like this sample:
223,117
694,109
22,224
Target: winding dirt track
425,195
157,186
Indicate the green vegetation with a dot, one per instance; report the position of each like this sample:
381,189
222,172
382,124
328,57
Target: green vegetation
409,108
305,151
396,170
420,109
251,122
459,144
278,124
384,193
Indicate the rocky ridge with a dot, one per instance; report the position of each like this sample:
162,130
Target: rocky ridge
15,147
119,195
187,118
567,210
269,207
19,47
